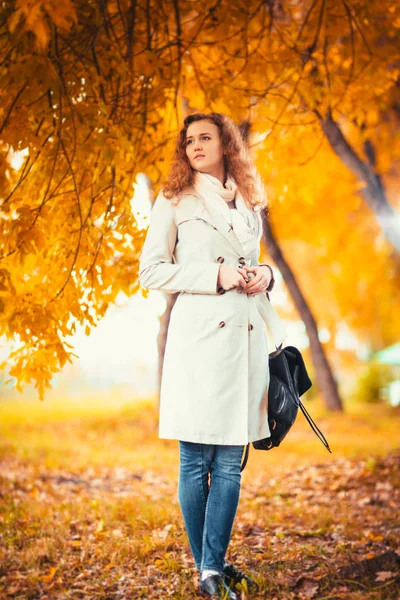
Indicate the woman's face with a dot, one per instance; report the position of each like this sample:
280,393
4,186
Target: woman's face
203,147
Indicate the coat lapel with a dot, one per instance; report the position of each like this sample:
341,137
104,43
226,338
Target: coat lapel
216,219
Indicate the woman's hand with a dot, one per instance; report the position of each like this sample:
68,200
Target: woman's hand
231,277
259,282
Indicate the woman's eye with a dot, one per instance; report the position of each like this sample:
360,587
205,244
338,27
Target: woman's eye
204,137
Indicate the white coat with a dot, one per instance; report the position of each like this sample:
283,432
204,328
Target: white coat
214,385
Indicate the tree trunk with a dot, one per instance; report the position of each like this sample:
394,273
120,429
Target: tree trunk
373,192
323,373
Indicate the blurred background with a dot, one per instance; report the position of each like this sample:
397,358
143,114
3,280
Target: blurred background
92,98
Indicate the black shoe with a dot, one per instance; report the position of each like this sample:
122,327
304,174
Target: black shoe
215,587
231,573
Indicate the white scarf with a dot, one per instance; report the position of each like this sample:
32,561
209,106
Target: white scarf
246,223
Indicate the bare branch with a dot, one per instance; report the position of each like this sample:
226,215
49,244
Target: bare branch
13,103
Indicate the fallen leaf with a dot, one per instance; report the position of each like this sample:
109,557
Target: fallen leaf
100,526
50,575
384,575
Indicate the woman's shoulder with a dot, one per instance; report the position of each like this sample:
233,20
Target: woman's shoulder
184,196
181,205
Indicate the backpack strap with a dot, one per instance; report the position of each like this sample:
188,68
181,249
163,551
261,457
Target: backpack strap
246,457
314,426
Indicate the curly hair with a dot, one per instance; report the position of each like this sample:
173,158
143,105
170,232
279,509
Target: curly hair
237,161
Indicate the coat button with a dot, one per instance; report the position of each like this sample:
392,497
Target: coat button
242,260
220,259
250,327
222,324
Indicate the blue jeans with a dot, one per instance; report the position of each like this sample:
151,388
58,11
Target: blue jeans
209,509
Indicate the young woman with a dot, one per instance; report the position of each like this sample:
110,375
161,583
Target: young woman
203,243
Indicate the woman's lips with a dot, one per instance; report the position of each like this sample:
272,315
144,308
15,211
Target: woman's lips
199,156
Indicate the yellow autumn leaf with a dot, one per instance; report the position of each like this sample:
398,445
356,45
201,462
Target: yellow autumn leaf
100,526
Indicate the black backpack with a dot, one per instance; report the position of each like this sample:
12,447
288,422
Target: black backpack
288,381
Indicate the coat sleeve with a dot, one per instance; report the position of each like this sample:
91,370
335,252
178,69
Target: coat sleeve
157,270
255,263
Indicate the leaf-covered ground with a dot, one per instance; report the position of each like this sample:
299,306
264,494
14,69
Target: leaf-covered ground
89,509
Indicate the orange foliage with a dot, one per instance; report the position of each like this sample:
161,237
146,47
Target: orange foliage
95,93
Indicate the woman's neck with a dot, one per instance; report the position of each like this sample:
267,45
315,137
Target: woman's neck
219,173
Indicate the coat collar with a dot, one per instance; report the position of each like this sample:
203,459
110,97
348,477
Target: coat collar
216,219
